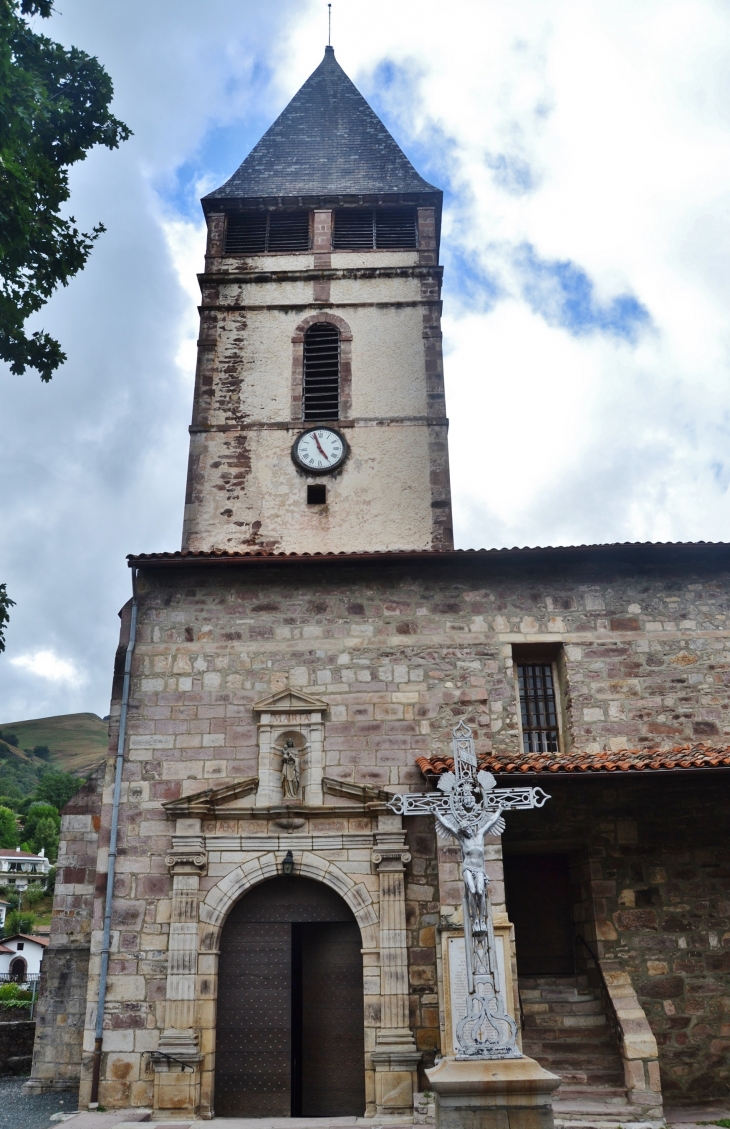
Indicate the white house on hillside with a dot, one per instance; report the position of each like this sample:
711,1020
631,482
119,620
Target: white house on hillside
21,956
19,868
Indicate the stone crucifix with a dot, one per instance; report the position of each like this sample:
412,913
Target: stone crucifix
468,806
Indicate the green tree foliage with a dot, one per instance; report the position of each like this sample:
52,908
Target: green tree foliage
18,921
8,829
18,777
5,605
57,788
12,996
54,107
40,751
46,839
32,896
41,829
9,739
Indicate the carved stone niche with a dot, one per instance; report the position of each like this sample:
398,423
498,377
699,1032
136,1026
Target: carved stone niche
290,714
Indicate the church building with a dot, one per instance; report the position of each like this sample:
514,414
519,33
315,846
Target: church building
276,941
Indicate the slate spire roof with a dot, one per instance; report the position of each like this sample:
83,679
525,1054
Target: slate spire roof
327,141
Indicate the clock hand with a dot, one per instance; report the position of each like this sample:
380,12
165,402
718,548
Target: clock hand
319,445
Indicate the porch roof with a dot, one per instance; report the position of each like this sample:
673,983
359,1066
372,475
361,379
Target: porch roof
678,758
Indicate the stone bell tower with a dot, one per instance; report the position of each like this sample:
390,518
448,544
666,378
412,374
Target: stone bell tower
319,419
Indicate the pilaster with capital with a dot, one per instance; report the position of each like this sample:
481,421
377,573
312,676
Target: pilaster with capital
177,1059
396,1056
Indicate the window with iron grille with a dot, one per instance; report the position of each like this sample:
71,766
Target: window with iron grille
367,229
538,708
321,393
255,233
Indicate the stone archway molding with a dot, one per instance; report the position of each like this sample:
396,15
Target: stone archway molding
297,375
222,897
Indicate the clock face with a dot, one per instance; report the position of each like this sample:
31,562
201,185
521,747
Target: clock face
320,450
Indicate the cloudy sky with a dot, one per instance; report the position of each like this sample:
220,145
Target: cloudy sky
584,149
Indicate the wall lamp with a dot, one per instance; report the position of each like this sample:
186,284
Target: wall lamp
287,864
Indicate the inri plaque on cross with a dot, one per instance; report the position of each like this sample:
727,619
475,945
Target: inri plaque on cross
468,806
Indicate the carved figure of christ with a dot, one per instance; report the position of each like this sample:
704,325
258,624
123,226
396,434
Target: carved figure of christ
471,840
469,806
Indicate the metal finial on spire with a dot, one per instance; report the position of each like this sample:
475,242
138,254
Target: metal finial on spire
329,25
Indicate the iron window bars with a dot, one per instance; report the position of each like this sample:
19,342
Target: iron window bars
538,707
321,392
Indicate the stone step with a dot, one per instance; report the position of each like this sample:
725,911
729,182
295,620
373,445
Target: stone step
585,1113
613,1095
553,981
580,1057
554,995
562,1007
563,1023
582,1076
566,1031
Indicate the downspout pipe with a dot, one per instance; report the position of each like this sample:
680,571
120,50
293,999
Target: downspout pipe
113,837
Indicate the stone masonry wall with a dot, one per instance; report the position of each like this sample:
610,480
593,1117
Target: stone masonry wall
422,919
401,650
61,1009
652,891
243,487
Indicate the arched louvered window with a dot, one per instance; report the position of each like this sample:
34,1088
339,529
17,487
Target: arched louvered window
322,372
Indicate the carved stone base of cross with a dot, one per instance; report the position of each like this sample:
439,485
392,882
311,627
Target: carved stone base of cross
507,1094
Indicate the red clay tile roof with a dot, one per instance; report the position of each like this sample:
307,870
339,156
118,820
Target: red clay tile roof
43,941
223,555
626,760
13,854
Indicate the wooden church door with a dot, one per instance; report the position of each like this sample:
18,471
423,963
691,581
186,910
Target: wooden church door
290,1038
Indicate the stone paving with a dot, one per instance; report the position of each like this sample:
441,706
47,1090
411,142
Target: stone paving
20,1112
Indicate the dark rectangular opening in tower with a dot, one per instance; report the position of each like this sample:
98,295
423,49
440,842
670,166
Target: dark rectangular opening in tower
367,229
316,495
256,233
322,372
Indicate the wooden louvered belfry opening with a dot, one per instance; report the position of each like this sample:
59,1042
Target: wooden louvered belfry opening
321,398
256,233
367,229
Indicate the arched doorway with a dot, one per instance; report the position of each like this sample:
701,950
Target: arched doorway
290,1038
18,969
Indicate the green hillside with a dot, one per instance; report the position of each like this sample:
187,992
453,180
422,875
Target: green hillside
77,742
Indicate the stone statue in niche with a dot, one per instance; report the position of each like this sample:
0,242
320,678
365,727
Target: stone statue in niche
289,770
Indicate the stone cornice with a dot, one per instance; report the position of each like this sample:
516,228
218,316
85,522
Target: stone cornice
331,274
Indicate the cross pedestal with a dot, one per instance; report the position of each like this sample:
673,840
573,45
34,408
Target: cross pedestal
489,1083
510,1093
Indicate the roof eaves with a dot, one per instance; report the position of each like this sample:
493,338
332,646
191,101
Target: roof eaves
223,556
680,758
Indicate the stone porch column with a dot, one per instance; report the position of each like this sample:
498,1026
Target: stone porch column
177,1060
396,1056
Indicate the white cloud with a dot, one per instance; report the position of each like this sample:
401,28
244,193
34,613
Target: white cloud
48,665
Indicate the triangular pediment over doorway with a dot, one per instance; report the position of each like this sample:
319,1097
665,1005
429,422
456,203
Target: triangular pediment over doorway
225,802
211,802
291,701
